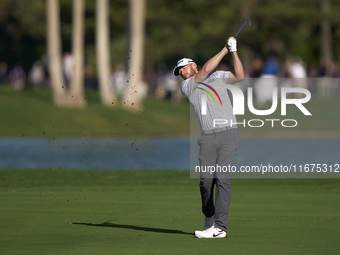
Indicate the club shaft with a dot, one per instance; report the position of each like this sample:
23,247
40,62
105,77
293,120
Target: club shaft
241,28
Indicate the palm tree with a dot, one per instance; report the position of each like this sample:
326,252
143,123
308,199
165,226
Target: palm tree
77,84
103,53
136,87
61,97
54,52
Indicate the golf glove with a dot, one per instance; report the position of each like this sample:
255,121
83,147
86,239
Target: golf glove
232,45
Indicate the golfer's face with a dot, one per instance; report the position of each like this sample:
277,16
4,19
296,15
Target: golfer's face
186,71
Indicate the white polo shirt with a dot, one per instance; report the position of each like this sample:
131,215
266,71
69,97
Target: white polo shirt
215,100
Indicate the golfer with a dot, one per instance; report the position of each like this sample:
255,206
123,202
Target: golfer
218,143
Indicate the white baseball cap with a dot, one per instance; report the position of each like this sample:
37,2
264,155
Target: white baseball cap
181,63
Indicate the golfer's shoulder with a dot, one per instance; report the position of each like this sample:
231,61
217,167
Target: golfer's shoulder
219,74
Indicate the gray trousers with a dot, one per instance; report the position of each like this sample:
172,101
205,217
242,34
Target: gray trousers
217,149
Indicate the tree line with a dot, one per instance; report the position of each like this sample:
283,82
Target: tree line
143,33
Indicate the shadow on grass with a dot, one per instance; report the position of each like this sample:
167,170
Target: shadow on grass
113,225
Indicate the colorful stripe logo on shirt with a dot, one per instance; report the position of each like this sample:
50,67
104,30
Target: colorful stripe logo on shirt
213,90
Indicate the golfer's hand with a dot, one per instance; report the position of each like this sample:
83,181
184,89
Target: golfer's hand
231,44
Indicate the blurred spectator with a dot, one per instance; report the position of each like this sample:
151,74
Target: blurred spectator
313,71
17,77
335,77
254,74
322,69
256,68
89,82
271,67
3,73
45,64
336,69
313,75
36,76
267,82
160,91
68,67
119,79
171,85
324,82
299,75
297,69
285,75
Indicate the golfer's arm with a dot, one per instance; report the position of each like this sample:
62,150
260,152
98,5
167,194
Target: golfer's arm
238,74
210,65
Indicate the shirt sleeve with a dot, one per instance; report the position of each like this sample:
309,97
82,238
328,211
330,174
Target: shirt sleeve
188,87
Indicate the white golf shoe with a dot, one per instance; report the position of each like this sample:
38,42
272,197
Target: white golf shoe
212,232
209,222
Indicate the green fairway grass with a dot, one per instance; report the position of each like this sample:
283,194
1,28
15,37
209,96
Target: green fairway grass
157,212
31,113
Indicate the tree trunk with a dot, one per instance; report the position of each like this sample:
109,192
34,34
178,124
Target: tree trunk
77,84
61,97
103,53
54,52
136,87
326,39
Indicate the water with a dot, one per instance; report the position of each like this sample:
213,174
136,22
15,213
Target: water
155,153
163,153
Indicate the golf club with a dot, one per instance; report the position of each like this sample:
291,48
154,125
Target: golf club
248,20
